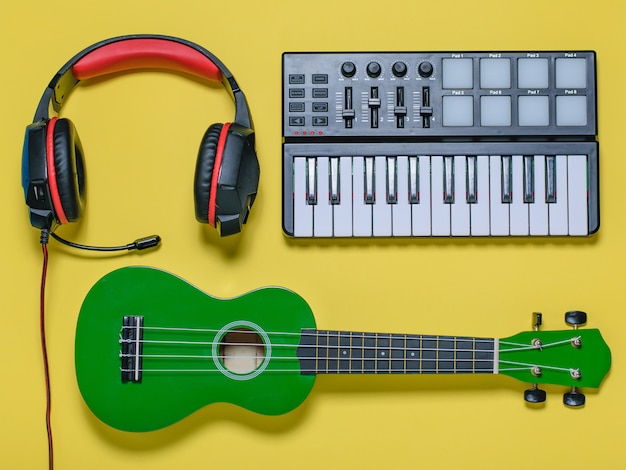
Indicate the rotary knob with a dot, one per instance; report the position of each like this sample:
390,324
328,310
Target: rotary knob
373,69
348,69
399,69
425,69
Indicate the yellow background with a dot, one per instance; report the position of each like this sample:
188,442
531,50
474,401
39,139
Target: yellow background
141,133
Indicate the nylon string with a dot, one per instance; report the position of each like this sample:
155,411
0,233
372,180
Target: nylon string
316,333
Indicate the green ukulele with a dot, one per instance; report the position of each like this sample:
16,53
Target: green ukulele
152,349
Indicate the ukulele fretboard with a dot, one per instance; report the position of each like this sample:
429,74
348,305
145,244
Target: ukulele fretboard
338,352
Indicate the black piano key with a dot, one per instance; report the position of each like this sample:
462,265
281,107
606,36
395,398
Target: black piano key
311,180
471,180
550,179
334,182
507,179
392,180
529,179
414,181
448,180
369,175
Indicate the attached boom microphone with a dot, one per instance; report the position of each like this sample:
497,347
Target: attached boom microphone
139,244
146,242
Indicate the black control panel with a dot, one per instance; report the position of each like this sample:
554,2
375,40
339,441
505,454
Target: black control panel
439,94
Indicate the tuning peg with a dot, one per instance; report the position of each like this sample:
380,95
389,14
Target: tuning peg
574,398
535,395
575,318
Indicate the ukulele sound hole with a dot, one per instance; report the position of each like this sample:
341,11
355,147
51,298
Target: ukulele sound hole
241,351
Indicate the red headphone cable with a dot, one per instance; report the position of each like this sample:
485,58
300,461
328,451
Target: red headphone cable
42,328
139,244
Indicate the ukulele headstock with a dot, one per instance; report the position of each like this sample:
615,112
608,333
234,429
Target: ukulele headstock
574,358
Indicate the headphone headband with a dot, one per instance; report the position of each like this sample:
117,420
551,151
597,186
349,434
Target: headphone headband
138,52
227,167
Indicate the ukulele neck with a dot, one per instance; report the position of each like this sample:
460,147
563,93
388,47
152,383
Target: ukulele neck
348,352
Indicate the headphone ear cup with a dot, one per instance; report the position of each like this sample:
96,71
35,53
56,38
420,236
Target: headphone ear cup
65,158
204,171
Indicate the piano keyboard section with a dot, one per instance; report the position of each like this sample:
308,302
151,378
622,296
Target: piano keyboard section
459,144
483,192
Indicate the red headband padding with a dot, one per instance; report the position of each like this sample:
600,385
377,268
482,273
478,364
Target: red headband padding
132,54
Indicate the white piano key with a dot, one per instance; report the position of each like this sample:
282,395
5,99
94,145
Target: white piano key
577,195
361,212
342,212
499,211
323,211
440,211
302,210
539,209
557,211
401,211
381,212
460,210
421,213
518,211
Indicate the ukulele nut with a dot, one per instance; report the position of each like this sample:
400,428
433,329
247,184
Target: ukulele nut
575,374
537,344
536,371
577,342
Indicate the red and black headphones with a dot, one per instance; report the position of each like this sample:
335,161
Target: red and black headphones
53,170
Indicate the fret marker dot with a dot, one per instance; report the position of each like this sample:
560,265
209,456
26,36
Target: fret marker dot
412,354
345,352
382,353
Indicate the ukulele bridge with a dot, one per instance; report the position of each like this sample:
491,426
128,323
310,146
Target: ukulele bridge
132,348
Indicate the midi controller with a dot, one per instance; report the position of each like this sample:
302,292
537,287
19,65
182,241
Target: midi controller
412,144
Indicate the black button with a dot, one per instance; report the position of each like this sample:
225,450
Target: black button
320,92
296,121
320,78
296,78
296,93
320,120
296,107
320,107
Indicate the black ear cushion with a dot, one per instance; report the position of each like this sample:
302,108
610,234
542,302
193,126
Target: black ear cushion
70,169
204,171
